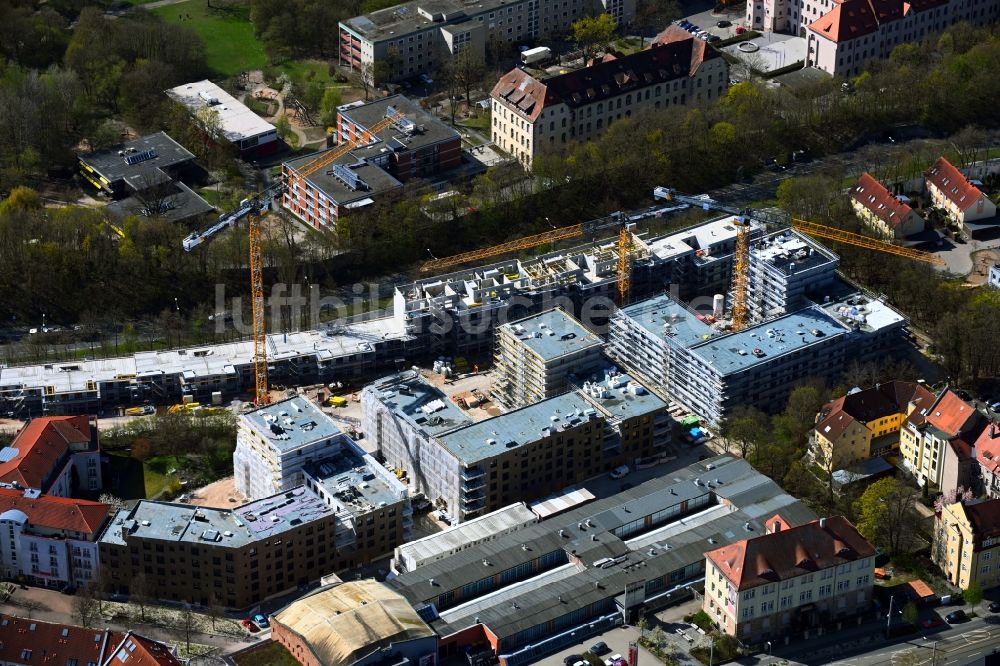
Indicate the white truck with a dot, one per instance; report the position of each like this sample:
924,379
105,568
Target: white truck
536,55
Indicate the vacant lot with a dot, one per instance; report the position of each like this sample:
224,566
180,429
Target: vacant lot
268,654
230,44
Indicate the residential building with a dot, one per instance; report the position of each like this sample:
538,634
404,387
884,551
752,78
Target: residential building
784,268
531,115
47,540
421,37
993,279
883,212
951,190
541,356
865,423
274,444
361,623
967,543
709,369
56,455
843,37
472,468
225,118
26,642
987,448
555,583
240,556
789,579
416,145
946,428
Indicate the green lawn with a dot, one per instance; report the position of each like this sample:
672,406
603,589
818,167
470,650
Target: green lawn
268,654
154,472
230,45
308,71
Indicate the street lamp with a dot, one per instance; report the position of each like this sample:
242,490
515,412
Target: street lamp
933,651
769,651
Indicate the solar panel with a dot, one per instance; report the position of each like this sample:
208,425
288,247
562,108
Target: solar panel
428,613
136,158
8,453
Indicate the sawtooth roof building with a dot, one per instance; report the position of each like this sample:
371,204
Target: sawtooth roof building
554,583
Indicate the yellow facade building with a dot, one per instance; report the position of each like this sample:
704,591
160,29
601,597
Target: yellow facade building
967,543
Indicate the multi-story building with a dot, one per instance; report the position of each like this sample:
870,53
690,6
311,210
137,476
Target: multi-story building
47,540
987,449
26,642
415,145
359,623
225,118
935,442
554,583
967,543
709,370
883,212
951,190
237,557
421,37
57,455
473,468
275,443
789,578
784,267
843,36
865,423
531,115
539,356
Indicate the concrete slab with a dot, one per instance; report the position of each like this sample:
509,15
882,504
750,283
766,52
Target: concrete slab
773,50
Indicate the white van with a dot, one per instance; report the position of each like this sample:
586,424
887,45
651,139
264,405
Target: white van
620,472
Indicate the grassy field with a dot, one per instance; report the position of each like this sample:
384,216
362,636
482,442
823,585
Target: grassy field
269,654
155,473
230,45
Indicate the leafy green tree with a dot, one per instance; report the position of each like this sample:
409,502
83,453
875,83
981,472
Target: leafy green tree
746,427
283,126
910,613
592,33
973,594
328,107
886,516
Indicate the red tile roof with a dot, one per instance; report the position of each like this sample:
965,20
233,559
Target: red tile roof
608,78
847,20
134,649
870,404
40,445
52,643
790,552
876,198
950,414
953,184
988,449
59,513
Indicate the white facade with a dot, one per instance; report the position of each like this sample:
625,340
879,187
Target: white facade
44,557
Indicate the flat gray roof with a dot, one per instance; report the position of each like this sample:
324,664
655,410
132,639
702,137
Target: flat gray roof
791,252
421,403
404,19
553,334
238,527
358,482
150,152
182,203
665,318
477,529
291,423
496,435
735,352
626,397
428,129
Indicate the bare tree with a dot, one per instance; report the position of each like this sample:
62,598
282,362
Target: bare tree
155,191
139,594
185,624
86,607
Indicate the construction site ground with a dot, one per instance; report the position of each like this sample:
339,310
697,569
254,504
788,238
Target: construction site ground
221,494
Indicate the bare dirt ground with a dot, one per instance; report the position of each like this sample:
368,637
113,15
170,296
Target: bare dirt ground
981,262
220,494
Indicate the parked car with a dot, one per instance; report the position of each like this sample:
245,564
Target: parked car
261,621
994,606
722,24
955,617
571,659
931,622
250,626
714,38
599,648
619,472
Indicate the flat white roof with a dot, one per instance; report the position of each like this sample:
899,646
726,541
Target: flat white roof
236,120
473,531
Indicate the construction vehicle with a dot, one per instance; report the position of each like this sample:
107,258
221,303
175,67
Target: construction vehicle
741,269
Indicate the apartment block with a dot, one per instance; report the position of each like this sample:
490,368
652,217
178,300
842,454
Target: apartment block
967,543
415,145
555,583
953,191
883,212
987,449
532,115
275,443
789,579
238,557
784,268
25,641
47,540
541,356
421,37
473,468
865,423
56,455
935,442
